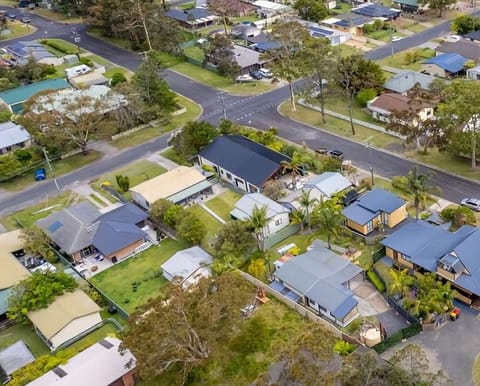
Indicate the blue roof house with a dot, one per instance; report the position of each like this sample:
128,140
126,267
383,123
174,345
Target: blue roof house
242,162
424,247
377,209
445,65
16,97
321,280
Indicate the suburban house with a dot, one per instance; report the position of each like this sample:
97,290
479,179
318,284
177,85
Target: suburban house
186,267
445,65
247,59
349,22
473,36
385,104
242,162
473,73
407,5
236,8
12,271
192,18
14,98
266,9
56,101
423,247
320,279
13,136
24,50
244,31
70,315
377,11
464,47
178,185
405,81
326,185
82,76
335,37
277,215
377,209
12,358
82,231
102,364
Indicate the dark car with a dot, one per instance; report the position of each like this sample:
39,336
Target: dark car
256,75
335,153
40,174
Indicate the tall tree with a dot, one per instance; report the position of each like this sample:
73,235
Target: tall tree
401,282
35,241
307,202
286,59
223,9
439,5
191,229
320,59
311,10
192,138
294,166
328,216
234,237
462,113
219,50
177,336
258,222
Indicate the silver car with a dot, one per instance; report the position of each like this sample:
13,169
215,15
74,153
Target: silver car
472,203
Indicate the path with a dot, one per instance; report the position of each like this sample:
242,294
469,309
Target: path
91,195
212,213
162,161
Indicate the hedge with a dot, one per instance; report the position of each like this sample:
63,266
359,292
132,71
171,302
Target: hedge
373,277
396,338
66,48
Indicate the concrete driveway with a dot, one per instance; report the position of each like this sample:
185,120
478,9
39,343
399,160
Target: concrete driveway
452,348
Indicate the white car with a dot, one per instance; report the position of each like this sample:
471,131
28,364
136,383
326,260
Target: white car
472,203
396,38
266,73
452,38
244,78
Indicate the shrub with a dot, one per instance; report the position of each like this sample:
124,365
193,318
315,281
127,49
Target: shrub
117,78
448,214
123,182
373,277
5,115
59,46
343,348
366,95
23,155
86,61
173,215
399,182
208,168
48,70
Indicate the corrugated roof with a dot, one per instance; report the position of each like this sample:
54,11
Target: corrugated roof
128,212
15,357
189,15
186,262
451,62
112,236
406,80
12,271
65,309
244,207
376,10
12,134
169,183
192,190
465,48
23,93
243,157
320,274
329,183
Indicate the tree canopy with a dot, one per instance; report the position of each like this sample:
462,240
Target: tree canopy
192,138
311,10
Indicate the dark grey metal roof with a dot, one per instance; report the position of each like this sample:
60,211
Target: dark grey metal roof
15,357
111,236
129,213
243,157
190,15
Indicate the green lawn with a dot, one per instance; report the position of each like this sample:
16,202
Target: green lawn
64,45
339,105
25,332
144,269
175,122
60,168
195,52
56,16
338,126
214,80
211,224
137,172
398,60
109,73
18,29
108,329
172,155
43,208
383,35
223,204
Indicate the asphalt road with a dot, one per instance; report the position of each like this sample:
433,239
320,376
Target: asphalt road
259,111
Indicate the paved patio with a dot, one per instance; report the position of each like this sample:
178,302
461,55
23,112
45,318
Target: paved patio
452,348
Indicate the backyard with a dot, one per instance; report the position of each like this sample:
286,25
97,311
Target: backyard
211,224
223,204
143,269
399,60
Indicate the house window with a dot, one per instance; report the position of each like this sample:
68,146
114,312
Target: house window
370,226
229,176
312,302
323,309
85,252
278,222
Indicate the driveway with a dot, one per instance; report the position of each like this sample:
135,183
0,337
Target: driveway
452,348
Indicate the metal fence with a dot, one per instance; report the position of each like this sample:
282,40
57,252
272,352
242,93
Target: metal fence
281,235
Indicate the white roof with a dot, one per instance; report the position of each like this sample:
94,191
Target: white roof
186,262
12,134
270,5
329,183
95,366
244,207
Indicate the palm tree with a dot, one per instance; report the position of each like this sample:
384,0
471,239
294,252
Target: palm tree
401,282
445,294
258,221
306,203
297,217
294,167
328,216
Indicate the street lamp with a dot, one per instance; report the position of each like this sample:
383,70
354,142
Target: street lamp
369,147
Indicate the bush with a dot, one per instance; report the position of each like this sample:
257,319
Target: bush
59,46
343,348
117,78
23,155
399,182
366,95
123,182
48,70
373,277
208,168
448,214
86,61
5,115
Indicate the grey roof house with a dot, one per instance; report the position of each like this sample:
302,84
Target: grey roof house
24,50
242,162
192,18
321,280
465,48
12,358
424,247
187,267
13,136
82,231
327,184
404,81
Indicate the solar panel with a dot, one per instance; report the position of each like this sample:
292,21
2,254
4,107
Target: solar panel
320,31
55,226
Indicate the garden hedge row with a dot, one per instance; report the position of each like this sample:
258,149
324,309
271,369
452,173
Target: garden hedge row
373,277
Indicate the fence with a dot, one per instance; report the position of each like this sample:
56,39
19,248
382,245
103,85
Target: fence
141,127
396,338
281,235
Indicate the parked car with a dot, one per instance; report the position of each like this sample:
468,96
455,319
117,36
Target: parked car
396,38
244,78
40,174
321,150
453,38
257,75
266,73
472,203
25,20
335,153
12,15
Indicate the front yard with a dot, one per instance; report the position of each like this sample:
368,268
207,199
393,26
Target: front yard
144,269
223,204
398,60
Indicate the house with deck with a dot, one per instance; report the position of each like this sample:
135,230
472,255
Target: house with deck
320,280
423,247
375,210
